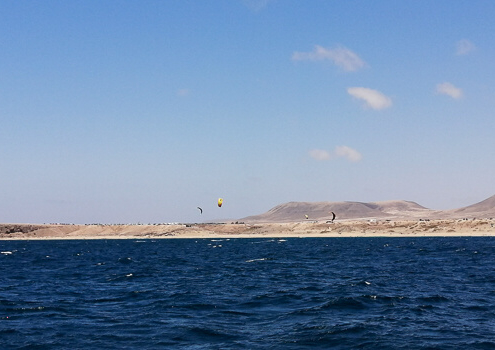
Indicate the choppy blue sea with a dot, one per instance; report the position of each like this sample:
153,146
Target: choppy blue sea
308,293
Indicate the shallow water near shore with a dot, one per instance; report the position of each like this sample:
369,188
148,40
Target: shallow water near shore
295,293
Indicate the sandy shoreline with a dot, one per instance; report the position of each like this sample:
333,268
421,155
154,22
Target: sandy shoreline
351,228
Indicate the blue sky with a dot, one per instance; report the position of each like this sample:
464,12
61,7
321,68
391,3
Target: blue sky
140,111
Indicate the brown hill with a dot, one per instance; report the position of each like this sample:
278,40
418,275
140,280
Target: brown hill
483,209
395,209
296,211
404,209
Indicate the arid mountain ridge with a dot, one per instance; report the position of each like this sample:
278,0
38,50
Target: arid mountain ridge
354,219
393,210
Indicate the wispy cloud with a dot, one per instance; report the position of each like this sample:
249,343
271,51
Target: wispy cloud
320,154
372,98
348,153
464,47
183,92
257,5
340,152
449,90
340,56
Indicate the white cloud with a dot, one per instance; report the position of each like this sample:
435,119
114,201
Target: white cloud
319,154
373,99
348,153
340,56
449,90
340,151
464,46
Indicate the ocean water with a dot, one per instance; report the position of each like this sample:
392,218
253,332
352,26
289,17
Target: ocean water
298,293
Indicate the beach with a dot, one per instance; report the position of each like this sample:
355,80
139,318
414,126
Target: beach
345,228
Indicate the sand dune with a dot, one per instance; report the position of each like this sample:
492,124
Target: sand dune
345,228
354,219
